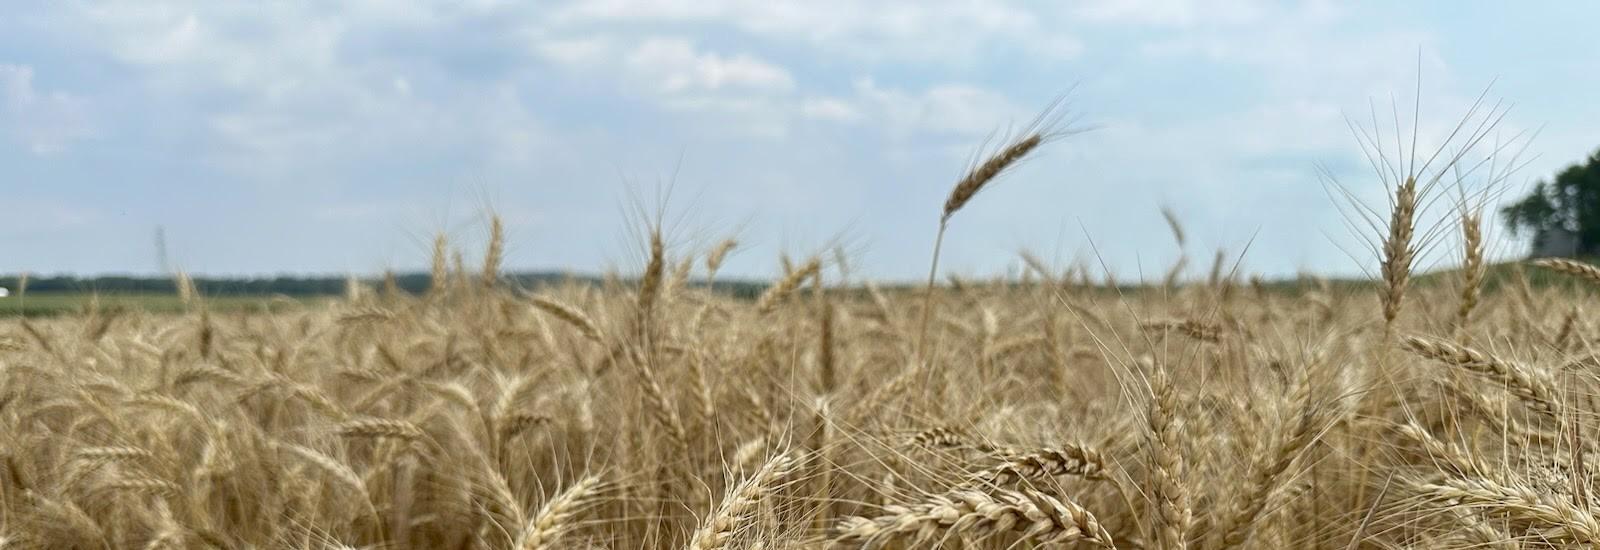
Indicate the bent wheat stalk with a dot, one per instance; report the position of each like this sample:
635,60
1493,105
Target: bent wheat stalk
1043,129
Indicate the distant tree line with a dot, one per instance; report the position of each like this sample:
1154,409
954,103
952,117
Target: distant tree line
413,283
1562,215
121,284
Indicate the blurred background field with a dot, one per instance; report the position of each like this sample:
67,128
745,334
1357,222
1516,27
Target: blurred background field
157,295
66,303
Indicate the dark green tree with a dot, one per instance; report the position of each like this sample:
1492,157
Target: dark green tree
1570,202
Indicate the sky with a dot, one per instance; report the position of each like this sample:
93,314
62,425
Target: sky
339,137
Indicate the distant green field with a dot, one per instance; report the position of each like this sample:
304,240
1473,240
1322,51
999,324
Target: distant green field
57,303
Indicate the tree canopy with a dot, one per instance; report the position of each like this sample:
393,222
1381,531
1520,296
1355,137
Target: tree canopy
1570,202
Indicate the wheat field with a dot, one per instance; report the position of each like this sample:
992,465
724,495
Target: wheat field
1060,410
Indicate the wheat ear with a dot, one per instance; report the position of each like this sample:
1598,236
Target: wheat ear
1532,388
769,300
740,503
570,315
1033,515
1171,497
556,517
1043,129
1472,270
1554,519
1398,250
496,252
1580,270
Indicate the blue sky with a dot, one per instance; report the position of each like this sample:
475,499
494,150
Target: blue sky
294,137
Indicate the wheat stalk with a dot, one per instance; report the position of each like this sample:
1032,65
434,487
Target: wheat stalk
1043,129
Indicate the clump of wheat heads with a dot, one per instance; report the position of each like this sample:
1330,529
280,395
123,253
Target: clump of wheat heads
1411,178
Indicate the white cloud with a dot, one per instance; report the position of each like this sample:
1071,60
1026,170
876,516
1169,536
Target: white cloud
673,65
733,116
1307,57
668,66
282,89
924,31
959,109
45,123
1056,46
1192,14
274,50
742,93
828,108
30,215
575,51
1179,13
